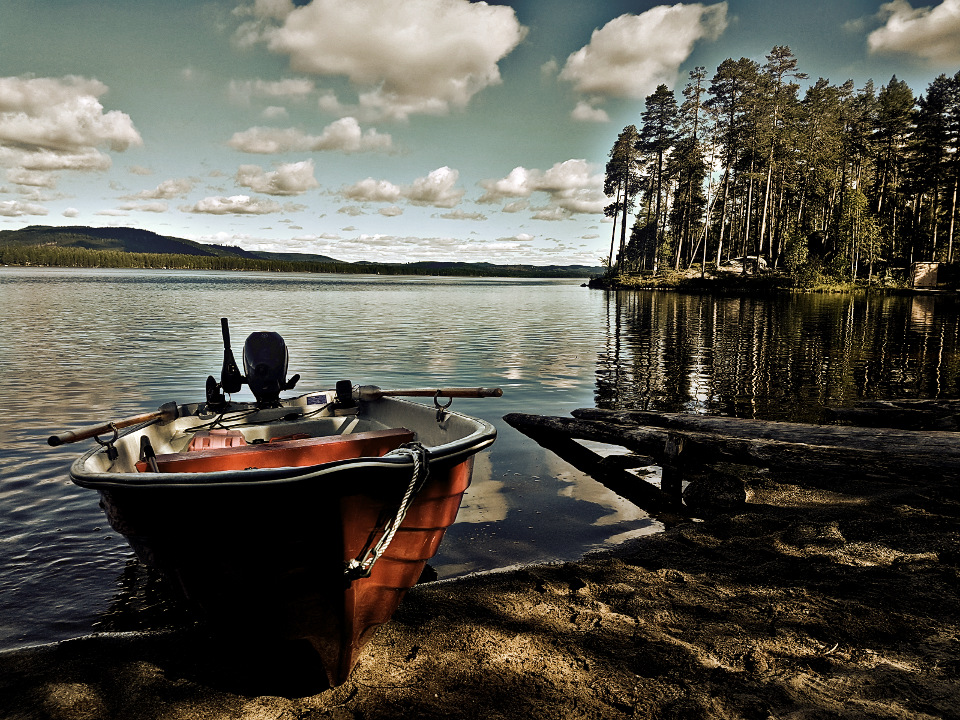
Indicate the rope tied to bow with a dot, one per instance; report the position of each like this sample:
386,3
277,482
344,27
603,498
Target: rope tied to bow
362,566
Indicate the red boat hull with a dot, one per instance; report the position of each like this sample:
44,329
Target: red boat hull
268,560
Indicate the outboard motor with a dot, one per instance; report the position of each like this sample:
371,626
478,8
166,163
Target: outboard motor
265,360
265,363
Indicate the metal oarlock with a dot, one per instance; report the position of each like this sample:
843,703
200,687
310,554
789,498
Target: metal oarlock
441,409
112,452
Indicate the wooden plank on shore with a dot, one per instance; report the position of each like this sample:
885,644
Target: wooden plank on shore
630,487
840,436
820,450
930,414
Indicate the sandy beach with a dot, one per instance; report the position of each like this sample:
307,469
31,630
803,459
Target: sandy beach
829,599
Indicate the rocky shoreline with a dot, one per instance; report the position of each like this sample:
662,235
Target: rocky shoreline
819,598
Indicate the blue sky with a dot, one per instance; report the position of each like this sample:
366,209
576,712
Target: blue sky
382,130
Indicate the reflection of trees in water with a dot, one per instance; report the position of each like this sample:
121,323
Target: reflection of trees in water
784,357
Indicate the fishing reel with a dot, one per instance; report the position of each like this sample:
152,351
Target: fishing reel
265,359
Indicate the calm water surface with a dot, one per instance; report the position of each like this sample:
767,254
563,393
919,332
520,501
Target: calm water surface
83,346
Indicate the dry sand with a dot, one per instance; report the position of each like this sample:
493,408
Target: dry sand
837,601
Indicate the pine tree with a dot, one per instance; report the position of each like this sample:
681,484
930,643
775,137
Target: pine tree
657,138
623,180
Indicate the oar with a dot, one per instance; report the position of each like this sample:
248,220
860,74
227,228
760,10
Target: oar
372,392
165,413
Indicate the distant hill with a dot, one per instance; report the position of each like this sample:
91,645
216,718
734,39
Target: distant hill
112,238
61,245
295,257
483,268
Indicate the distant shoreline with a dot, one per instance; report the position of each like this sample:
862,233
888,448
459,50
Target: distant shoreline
503,272
764,283
46,246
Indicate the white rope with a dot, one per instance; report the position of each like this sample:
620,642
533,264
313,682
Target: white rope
362,567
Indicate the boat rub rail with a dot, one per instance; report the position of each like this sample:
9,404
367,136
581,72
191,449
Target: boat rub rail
301,452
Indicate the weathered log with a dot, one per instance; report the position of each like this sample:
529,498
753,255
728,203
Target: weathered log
943,444
611,474
905,414
820,450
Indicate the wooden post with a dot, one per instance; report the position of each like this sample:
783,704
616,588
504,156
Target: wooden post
671,473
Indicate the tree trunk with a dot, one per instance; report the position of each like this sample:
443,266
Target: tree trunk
746,219
723,214
626,205
613,232
766,203
953,215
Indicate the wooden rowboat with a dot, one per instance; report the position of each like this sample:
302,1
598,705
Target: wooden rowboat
299,518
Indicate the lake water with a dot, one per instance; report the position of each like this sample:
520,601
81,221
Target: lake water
84,346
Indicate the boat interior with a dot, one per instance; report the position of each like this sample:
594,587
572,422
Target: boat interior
306,430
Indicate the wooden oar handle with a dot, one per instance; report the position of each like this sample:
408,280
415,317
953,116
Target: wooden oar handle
372,392
166,412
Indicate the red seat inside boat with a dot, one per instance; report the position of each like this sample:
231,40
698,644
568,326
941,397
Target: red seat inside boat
282,453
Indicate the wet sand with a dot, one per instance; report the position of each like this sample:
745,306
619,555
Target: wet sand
818,598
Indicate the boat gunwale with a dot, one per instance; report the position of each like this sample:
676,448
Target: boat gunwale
455,451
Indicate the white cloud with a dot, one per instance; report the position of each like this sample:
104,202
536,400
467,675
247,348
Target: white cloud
518,248
459,214
154,207
371,190
516,206
288,179
571,185
437,189
552,213
274,112
243,91
418,56
391,211
373,106
15,208
519,183
585,112
167,190
931,34
632,54
47,160
49,124
71,212
32,178
518,238
234,205
343,135
33,194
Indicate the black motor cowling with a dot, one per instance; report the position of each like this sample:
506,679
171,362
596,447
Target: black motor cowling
265,363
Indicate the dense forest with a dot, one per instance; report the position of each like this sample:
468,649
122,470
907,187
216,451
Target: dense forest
842,182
